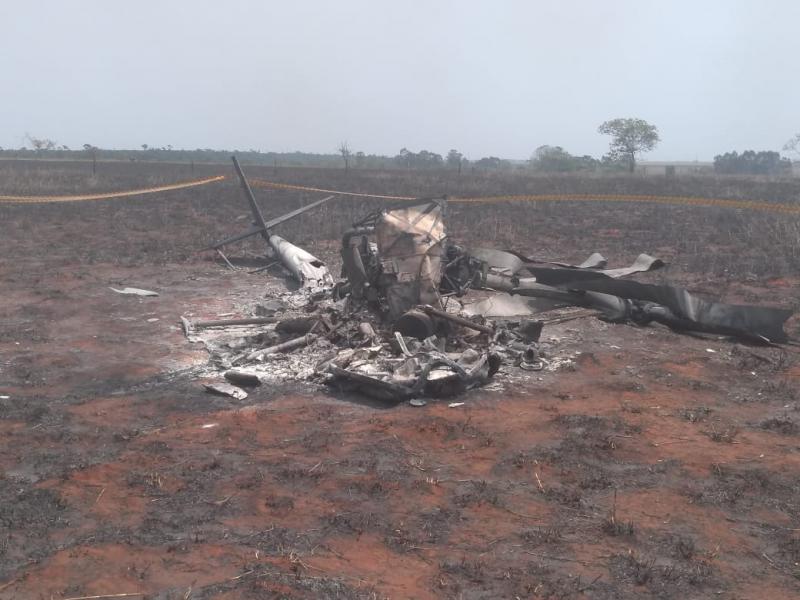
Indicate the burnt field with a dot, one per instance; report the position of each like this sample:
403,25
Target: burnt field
655,466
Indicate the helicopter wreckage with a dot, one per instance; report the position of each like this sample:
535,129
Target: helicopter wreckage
399,324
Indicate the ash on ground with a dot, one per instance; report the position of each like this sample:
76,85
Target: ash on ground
316,339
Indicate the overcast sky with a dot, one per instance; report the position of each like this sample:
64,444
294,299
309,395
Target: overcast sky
486,77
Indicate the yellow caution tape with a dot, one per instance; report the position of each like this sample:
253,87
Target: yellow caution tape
633,198
643,199
107,195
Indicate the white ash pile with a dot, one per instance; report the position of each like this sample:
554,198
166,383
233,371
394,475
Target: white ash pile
307,336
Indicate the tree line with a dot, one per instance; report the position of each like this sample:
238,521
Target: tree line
630,138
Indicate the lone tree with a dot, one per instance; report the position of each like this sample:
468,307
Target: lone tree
793,145
629,137
40,144
92,152
454,159
344,150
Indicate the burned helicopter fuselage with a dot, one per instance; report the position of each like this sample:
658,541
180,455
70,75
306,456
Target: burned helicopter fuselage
392,259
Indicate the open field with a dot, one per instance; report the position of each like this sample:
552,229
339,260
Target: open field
659,466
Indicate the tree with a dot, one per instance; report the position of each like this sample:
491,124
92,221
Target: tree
629,137
793,145
427,159
92,151
40,144
404,157
454,159
749,162
344,150
144,147
420,160
492,162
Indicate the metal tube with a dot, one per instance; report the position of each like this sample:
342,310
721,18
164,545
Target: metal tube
429,310
232,322
299,342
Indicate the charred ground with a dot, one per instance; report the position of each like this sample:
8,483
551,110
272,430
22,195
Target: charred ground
652,468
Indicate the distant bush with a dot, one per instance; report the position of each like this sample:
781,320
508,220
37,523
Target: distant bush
418,160
750,162
554,159
492,162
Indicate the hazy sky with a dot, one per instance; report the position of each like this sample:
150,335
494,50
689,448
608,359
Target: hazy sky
486,77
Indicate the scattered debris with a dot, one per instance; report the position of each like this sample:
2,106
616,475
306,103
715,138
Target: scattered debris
242,378
226,389
268,308
232,322
403,325
131,291
287,346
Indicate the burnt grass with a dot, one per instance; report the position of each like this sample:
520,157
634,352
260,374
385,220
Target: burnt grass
651,469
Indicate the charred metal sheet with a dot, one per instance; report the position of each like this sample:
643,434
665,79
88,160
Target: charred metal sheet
560,276
505,306
226,389
675,307
595,261
372,386
409,244
500,261
392,259
355,252
642,264
687,311
500,270
426,374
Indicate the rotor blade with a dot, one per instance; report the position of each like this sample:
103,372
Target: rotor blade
259,218
255,230
294,213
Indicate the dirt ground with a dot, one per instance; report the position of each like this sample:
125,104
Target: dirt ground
657,466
